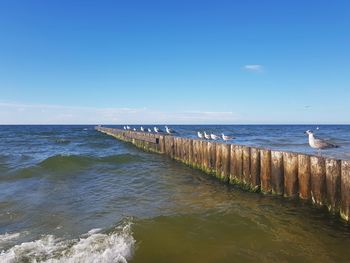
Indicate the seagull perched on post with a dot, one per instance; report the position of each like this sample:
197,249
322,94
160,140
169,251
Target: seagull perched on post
214,136
142,129
134,129
225,137
200,135
124,127
149,130
207,136
169,130
128,127
157,130
319,143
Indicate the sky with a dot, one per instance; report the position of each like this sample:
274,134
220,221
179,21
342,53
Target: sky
174,62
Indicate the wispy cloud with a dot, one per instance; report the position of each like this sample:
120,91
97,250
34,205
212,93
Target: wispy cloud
18,113
254,67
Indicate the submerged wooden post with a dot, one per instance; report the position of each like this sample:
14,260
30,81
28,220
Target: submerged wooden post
345,190
277,172
333,174
318,180
291,187
265,170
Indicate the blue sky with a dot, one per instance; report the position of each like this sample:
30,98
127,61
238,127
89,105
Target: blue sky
174,61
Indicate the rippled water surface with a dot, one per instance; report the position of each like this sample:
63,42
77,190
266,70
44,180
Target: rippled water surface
71,194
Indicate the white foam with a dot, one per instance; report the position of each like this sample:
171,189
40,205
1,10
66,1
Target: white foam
7,237
116,247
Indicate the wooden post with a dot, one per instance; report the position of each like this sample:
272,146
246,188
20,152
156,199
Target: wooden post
218,165
304,176
211,156
290,161
277,178
255,168
345,190
318,180
205,160
225,153
190,152
333,174
247,178
265,170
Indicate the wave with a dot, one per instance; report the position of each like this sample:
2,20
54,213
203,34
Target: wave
66,165
67,162
116,246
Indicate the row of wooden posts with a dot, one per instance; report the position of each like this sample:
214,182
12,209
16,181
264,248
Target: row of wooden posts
324,181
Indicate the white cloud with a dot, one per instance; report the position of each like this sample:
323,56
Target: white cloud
254,67
17,113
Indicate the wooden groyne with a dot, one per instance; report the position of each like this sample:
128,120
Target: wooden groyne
323,181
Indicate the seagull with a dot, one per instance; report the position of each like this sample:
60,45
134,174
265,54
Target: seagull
142,129
225,137
214,137
207,136
156,129
128,127
200,135
149,130
124,128
169,130
134,129
319,143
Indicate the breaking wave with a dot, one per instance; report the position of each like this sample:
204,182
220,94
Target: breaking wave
95,246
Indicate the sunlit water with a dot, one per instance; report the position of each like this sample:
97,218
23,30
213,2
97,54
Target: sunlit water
71,194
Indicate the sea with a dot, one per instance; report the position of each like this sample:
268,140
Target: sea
72,194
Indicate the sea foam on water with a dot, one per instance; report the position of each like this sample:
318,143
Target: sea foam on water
116,247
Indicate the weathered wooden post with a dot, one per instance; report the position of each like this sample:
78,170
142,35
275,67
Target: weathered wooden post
211,156
290,163
205,160
255,168
236,164
225,155
247,177
318,180
333,174
218,165
190,152
277,178
345,190
265,170
304,176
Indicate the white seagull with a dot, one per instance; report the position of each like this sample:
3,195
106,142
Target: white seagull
200,135
149,130
124,127
156,129
225,137
134,129
142,129
169,130
319,143
128,127
214,137
207,136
